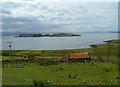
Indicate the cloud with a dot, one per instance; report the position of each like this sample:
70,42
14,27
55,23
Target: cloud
6,12
54,17
61,0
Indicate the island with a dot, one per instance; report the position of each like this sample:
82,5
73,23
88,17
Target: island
48,35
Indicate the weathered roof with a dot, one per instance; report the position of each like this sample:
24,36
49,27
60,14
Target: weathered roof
78,55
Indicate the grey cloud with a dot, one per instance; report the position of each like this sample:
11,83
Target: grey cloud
6,12
9,5
12,23
10,20
29,24
40,17
28,0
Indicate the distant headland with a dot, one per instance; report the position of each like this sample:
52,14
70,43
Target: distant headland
48,35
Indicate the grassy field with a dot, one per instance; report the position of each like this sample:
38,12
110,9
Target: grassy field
13,58
101,51
77,73
93,74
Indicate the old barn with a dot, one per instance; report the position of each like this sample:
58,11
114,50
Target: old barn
79,56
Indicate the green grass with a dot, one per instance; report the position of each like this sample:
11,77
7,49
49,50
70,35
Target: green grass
93,74
0,58
13,58
62,54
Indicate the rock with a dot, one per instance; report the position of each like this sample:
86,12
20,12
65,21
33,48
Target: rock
3,66
107,70
48,82
61,68
116,77
84,81
73,77
91,62
19,67
69,76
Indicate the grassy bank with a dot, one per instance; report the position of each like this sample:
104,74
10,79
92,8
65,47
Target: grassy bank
92,74
101,51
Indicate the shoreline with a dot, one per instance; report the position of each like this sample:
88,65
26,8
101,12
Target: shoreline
89,46
65,48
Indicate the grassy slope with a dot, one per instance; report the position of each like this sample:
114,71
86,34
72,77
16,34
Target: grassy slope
93,74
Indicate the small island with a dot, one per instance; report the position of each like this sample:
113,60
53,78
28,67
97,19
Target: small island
48,35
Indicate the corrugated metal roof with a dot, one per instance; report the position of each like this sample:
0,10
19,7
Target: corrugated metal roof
78,55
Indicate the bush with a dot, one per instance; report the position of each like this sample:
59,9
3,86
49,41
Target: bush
39,83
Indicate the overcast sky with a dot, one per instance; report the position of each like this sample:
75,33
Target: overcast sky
50,16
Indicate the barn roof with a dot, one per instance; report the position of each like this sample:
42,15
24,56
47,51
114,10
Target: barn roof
78,55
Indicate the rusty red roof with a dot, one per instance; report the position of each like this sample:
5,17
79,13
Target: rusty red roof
78,55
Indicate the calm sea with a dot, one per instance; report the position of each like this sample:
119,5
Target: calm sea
56,43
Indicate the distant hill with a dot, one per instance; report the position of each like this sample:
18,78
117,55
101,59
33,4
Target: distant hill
10,33
48,35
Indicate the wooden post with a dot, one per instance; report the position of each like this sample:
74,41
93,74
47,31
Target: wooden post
10,46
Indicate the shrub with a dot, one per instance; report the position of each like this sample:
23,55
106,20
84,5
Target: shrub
39,83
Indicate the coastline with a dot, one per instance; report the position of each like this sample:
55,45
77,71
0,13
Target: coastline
56,43
88,47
